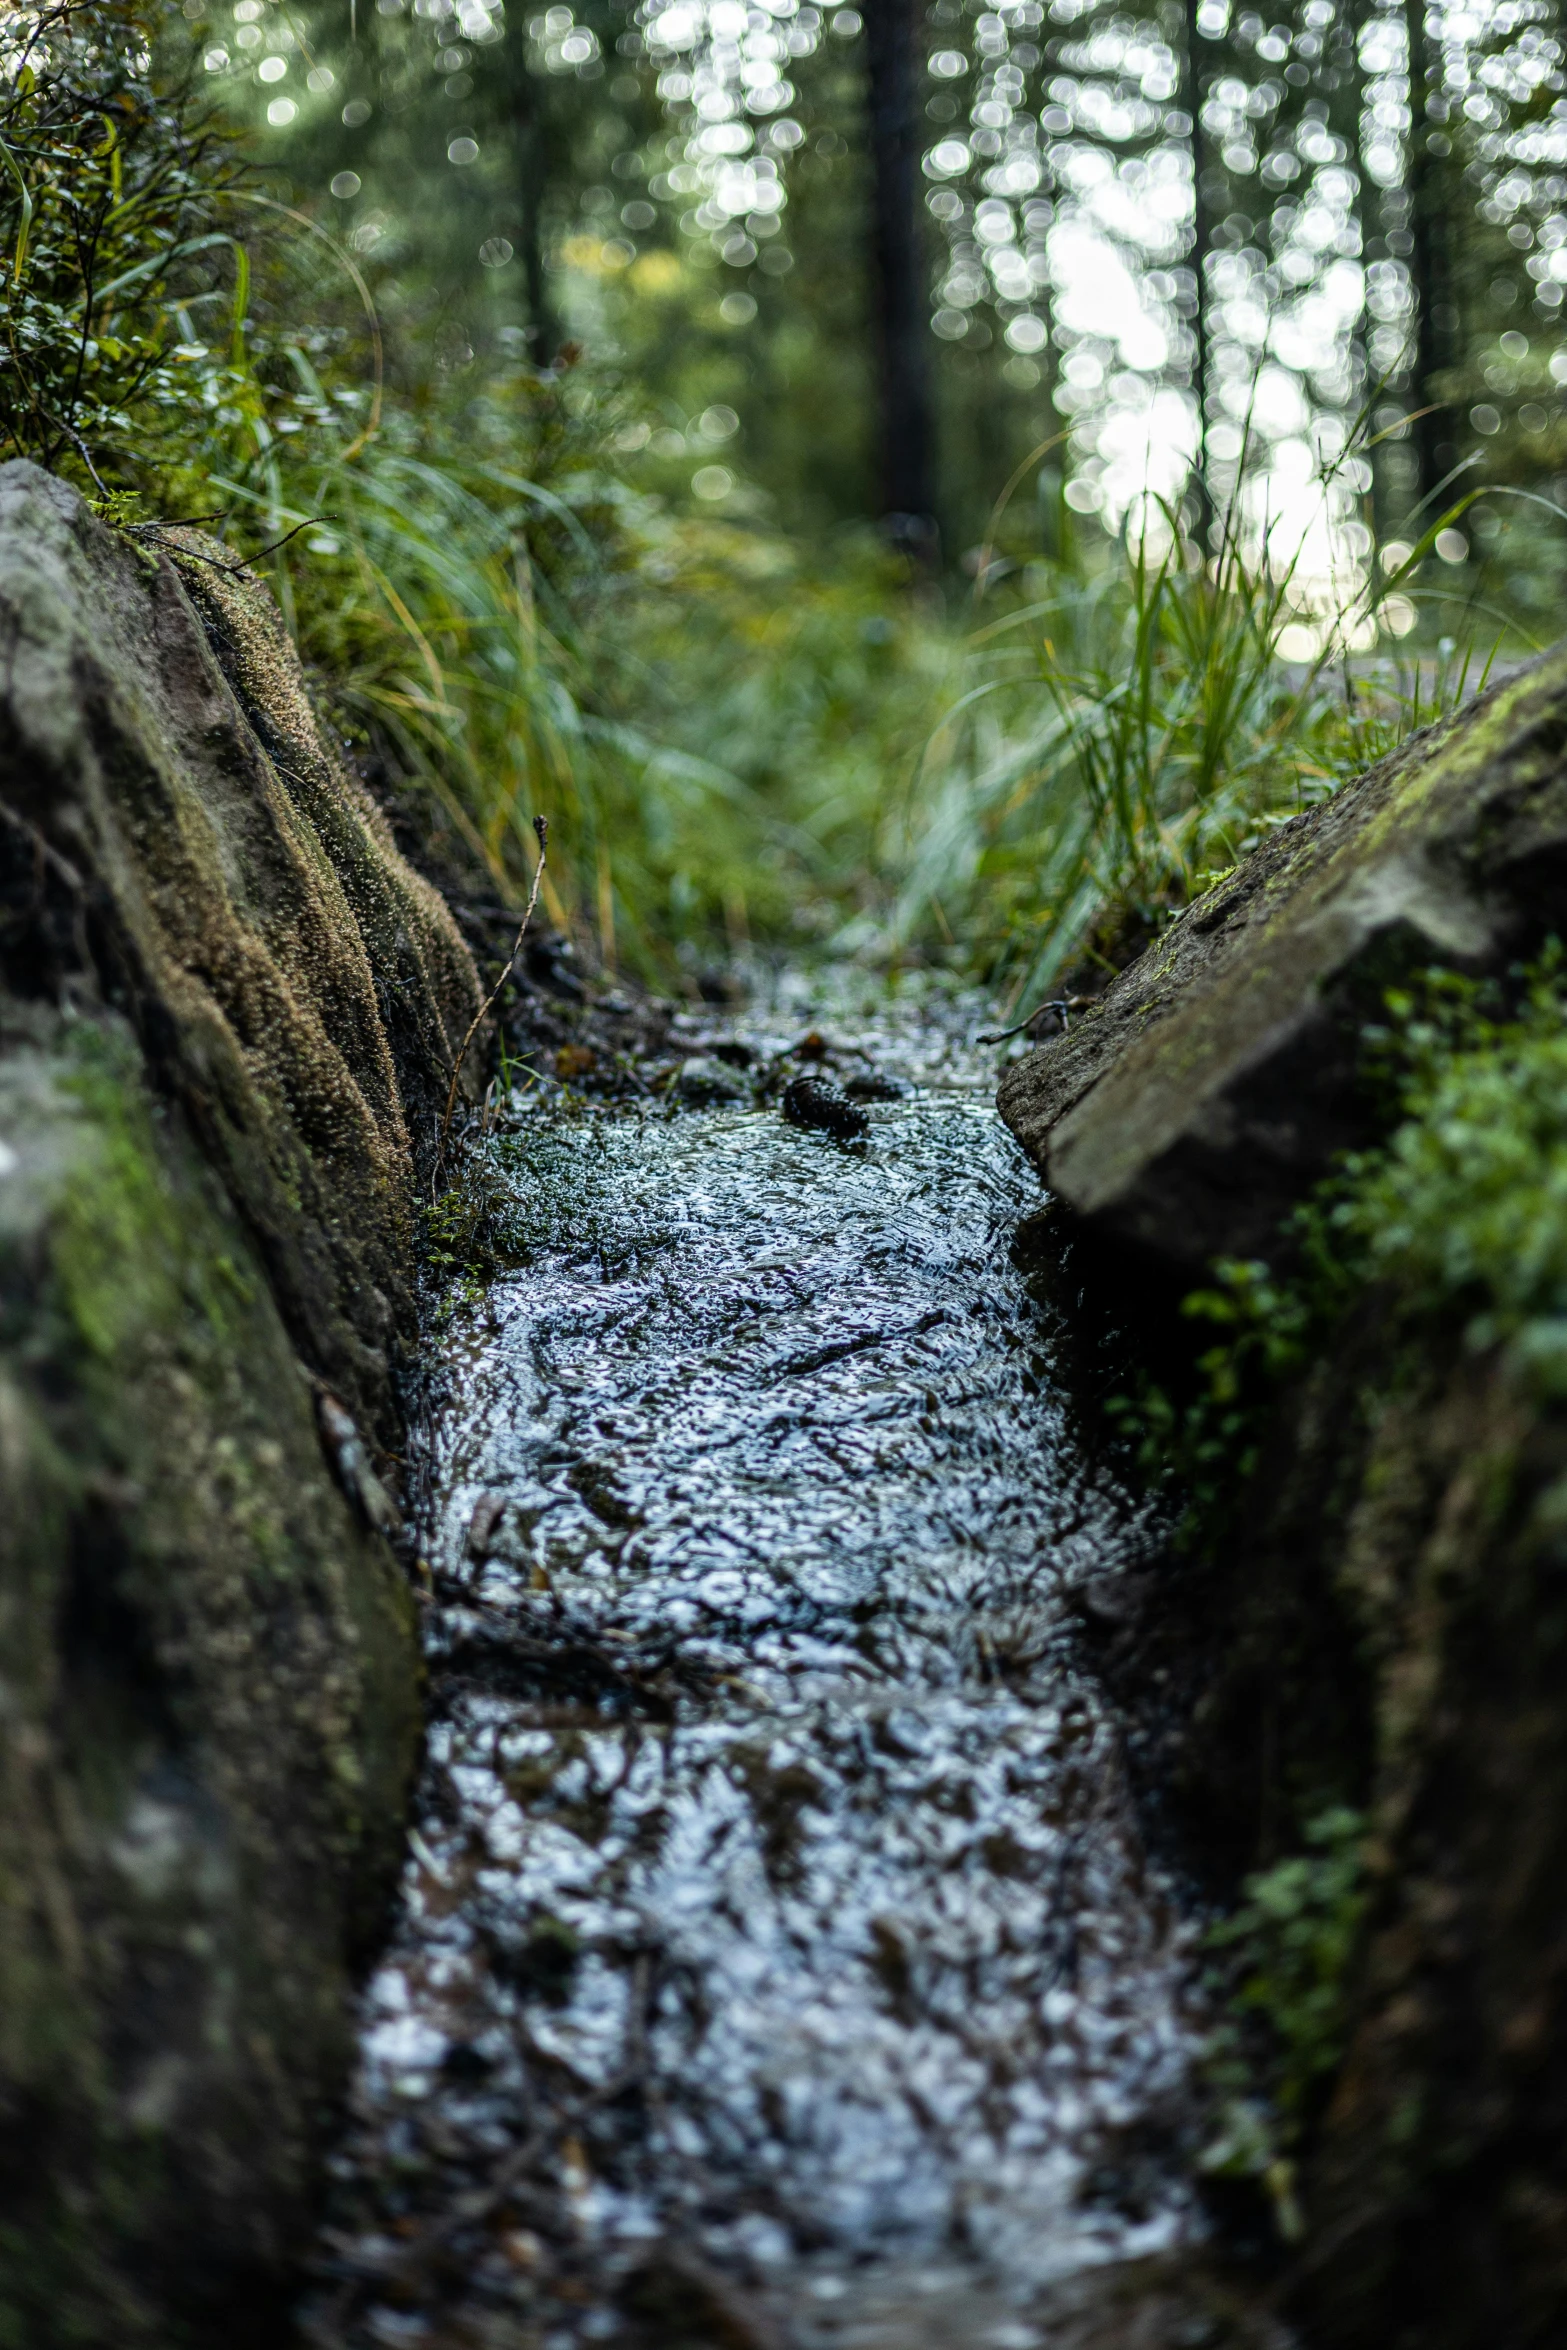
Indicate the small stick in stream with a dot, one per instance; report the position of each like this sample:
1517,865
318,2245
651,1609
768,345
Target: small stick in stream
1059,1007
541,825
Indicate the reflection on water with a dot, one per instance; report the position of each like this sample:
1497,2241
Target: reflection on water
777,1960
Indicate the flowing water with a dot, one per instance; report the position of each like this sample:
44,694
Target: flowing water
778,1959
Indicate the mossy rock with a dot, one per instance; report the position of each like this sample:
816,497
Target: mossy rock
229,1013
177,834
1386,1626
1215,1079
209,1714
1438,2182
1376,1625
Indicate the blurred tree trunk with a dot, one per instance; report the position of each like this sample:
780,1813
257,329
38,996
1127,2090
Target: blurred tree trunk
903,325
1344,85
1202,239
1428,435
529,149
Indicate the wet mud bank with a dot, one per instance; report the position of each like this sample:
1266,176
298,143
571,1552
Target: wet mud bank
1378,1628
226,1007
780,1960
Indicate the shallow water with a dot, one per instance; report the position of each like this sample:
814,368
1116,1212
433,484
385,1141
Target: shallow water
778,1958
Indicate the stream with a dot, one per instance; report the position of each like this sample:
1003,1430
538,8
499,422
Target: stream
778,1960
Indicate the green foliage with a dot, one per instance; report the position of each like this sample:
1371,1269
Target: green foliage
1466,1208
467,1229
708,717
740,736
1462,1213
746,738
443,585
1122,730
110,191
1206,1444
1283,1959
807,681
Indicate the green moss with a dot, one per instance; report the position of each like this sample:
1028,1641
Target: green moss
210,1702
116,1245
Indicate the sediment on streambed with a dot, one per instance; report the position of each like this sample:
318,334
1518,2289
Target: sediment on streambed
226,1007
1361,1645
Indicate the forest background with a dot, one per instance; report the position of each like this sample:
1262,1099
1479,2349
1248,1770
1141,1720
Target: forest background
928,483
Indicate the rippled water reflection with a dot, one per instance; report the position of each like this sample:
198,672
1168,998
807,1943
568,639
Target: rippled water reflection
777,1930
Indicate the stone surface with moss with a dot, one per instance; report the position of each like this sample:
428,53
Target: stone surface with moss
227,1009
194,840
1373,1628
1389,1621
1214,1080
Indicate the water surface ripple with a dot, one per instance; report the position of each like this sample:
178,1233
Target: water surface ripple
776,1930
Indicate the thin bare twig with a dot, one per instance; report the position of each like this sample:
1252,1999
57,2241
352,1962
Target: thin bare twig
80,446
138,530
1060,1005
241,570
541,826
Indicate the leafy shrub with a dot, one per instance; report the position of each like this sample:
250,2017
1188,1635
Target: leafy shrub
1460,1214
110,185
1207,1444
1466,1208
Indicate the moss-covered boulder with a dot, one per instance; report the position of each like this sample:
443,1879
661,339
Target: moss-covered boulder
1376,1620
1216,1078
176,828
228,1013
1388,1626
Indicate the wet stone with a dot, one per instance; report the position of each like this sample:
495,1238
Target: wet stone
777,1949
813,1101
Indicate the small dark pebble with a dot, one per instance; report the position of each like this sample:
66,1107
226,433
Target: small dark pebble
811,1101
875,1089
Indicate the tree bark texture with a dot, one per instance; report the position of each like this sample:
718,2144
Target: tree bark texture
1429,434
528,131
907,490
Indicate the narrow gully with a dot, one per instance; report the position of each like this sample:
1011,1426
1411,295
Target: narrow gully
778,1959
